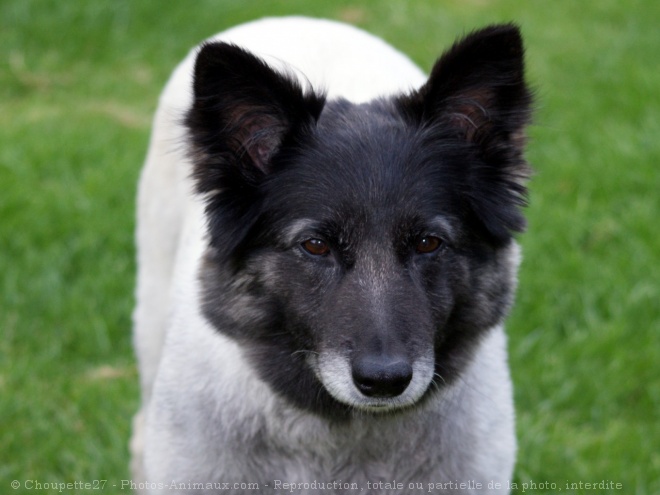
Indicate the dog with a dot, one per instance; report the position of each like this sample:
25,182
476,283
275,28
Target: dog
326,256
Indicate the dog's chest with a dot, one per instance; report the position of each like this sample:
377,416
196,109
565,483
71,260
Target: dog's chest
297,448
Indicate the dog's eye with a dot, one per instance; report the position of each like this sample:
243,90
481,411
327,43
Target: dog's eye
428,244
316,247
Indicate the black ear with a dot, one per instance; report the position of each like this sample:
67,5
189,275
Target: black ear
243,114
477,93
478,86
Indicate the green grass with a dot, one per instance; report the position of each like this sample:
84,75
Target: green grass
78,85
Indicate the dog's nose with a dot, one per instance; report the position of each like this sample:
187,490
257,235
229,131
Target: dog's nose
381,377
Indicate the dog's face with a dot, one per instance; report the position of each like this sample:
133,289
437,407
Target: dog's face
358,252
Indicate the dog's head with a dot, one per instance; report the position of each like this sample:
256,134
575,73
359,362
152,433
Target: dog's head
358,252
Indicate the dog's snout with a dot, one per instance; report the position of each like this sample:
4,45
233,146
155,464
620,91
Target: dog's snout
381,376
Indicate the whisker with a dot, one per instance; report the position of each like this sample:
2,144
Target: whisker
304,351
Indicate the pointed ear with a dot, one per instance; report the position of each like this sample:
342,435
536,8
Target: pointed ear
243,111
476,93
478,87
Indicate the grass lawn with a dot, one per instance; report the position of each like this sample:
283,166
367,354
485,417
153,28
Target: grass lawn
79,83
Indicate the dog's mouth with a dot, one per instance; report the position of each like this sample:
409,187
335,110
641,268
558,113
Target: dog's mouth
394,385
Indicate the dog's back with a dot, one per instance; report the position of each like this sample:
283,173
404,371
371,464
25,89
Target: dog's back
196,380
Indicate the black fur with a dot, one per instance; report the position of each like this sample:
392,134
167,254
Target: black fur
374,179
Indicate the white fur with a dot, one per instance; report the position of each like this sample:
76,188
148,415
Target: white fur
203,406
334,371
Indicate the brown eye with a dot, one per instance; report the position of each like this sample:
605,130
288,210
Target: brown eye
428,244
316,247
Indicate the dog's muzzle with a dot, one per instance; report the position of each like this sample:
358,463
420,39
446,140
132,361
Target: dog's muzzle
374,382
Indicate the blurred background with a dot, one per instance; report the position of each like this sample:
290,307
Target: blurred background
79,83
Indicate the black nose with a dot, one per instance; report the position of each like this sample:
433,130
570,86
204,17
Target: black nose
381,376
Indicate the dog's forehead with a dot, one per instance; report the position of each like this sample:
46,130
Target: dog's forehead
346,118
363,166
360,149
375,141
